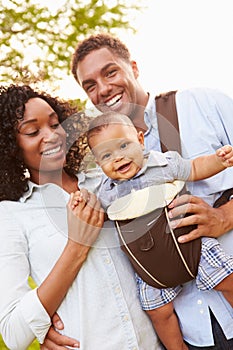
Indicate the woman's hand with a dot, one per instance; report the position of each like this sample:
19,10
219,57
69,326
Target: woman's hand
85,220
211,222
85,217
57,341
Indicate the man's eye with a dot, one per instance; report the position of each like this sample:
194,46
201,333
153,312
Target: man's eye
89,88
111,73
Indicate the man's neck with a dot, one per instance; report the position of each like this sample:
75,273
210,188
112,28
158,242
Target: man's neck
138,120
138,117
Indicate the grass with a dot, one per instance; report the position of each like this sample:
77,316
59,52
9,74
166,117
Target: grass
35,345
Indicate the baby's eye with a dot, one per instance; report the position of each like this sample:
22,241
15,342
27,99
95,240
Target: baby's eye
124,145
106,156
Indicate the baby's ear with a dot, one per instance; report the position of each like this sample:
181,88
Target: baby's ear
98,163
141,138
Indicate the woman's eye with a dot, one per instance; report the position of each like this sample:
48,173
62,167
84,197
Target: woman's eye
55,126
31,133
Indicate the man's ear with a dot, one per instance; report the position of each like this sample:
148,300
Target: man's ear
135,69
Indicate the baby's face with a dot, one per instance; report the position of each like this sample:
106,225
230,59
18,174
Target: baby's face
118,149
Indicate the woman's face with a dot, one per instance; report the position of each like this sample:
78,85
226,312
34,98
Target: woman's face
42,140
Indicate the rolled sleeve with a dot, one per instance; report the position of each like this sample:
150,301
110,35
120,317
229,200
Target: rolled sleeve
38,320
29,320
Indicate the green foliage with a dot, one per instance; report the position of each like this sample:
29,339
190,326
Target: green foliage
37,41
35,345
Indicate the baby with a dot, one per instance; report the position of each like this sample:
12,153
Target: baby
119,150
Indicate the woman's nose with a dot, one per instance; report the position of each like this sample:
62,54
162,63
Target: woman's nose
49,135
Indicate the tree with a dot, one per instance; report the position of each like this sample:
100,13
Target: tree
37,42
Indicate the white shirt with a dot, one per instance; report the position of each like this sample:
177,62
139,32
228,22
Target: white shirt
205,122
101,308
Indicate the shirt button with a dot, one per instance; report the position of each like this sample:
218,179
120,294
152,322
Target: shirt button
107,261
201,311
117,290
199,302
126,318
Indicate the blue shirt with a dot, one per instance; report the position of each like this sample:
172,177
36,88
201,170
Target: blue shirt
205,122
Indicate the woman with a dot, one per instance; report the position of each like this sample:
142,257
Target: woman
92,296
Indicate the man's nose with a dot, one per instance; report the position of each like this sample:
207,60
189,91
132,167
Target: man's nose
104,88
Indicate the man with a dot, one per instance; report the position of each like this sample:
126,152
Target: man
103,67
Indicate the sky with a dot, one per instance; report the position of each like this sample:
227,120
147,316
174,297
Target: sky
180,44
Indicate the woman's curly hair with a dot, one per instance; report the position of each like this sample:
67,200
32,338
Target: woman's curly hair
13,179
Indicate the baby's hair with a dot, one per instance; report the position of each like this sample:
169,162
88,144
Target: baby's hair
102,121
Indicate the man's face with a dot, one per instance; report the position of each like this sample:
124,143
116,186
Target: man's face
110,82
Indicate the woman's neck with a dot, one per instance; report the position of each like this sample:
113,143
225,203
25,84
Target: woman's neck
68,182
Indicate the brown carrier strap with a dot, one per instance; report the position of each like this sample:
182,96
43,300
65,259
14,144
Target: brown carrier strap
168,121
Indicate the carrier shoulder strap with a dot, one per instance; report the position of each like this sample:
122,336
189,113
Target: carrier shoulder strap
168,121
168,124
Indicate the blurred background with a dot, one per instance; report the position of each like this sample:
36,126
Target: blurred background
181,44
177,44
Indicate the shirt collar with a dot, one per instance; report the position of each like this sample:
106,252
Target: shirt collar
31,187
154,158
35,187
150,112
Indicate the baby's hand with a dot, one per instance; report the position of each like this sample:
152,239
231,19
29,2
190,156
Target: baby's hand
225,154
76,198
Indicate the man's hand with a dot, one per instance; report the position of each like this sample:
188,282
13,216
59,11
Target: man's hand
211,222
56,341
